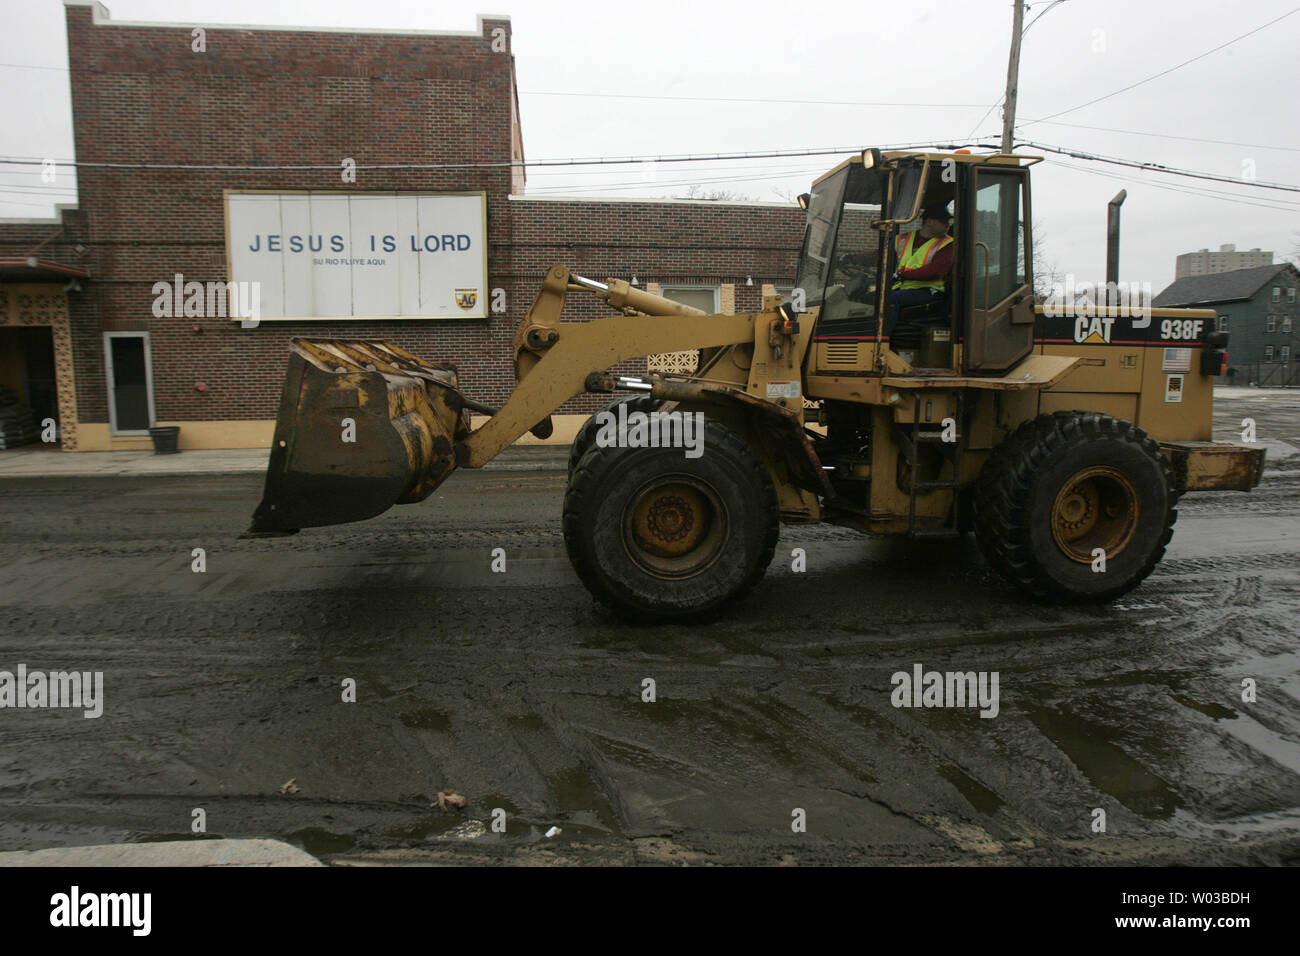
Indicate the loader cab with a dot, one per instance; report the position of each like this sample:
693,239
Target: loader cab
984,322
839,264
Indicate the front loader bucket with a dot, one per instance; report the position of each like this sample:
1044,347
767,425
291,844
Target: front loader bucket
362,426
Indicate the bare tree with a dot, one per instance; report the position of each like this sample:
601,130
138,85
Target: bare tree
695,191
1046,272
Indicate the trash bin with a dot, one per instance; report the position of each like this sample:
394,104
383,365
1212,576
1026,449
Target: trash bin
165,438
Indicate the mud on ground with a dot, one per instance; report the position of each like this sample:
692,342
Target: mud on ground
524,696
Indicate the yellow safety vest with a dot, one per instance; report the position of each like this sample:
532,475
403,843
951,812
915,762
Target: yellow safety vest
913,258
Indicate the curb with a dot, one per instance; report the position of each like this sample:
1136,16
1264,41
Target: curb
552,462
172,853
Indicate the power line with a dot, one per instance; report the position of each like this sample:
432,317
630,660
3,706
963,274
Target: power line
1040,16
580,161
1190,190
742,99
34,66
1159,168
334,167
623,172
1189,139
686,182
1201,194
1171,69
35,205
650,96
670,158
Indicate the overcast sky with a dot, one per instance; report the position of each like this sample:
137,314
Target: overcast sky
672,78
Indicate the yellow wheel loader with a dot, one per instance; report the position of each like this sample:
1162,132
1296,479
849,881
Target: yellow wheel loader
1062,435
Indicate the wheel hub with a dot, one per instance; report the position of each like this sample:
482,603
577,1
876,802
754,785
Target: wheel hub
674,526
1096,508
670,519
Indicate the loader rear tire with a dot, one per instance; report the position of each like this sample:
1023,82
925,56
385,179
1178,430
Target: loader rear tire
659,537
586,436
1065,486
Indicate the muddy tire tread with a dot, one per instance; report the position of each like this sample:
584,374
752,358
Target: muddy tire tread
1002,524
578,501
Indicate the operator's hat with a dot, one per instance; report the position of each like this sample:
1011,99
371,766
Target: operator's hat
937,212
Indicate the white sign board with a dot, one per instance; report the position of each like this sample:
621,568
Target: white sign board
327,254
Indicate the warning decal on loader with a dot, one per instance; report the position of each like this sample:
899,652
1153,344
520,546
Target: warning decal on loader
783,390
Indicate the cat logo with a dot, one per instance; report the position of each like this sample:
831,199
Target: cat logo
466,299
1093,329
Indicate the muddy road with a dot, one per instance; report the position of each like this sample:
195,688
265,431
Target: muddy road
518,691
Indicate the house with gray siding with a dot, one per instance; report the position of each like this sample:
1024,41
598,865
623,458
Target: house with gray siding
1258,308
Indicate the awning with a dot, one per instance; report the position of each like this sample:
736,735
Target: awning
33,269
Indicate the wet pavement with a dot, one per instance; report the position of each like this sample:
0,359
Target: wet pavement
518,691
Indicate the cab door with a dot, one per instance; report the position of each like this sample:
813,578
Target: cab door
999,285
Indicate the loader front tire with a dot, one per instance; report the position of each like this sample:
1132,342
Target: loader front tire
659,537
1067,489
586,436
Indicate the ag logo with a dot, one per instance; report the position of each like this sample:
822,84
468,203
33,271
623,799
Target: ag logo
1093,329
466,298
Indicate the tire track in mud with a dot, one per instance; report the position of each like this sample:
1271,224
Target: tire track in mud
524,695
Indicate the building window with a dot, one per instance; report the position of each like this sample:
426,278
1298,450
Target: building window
1277,293
1285,354
1286,324
684,363
1223,323
1290,294
1271,324
699,297
1268,353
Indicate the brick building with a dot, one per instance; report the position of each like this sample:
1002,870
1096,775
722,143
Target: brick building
233,114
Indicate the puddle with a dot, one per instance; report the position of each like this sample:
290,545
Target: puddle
1089,747
578,799
138,837
1217,711
977,795
318,842
1171,679
434,826
426,718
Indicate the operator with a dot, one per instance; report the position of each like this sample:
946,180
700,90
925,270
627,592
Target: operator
924,258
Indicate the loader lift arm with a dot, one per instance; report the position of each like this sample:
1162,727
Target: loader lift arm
564,354
364,426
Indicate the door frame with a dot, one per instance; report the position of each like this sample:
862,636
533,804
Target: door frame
108,382
1018,305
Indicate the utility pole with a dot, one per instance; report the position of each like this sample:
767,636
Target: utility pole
1013,75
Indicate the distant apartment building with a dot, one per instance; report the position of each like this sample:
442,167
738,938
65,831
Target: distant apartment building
1227,259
